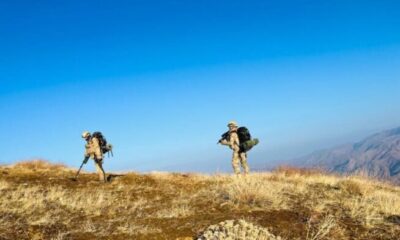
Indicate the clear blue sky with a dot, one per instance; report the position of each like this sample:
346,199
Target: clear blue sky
162,78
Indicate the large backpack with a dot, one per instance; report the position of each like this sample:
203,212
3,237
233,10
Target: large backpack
243,134
105,148
245,140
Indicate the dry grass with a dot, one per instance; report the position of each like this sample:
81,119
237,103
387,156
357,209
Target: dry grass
255,191
39,164
39,201
320,230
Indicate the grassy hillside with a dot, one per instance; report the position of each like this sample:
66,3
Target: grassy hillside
40,201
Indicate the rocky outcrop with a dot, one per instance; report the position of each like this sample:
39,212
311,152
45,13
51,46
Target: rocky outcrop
236,230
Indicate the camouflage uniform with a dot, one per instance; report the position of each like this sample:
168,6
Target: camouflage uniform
93,151
238,157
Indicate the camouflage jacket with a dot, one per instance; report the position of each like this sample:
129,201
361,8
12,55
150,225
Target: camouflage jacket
92,149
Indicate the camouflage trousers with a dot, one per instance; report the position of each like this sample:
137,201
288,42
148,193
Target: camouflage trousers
99,168
240,158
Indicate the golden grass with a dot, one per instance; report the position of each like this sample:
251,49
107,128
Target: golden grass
39,164
322,229
43,203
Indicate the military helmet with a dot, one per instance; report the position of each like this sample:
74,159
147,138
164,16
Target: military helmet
233,123
85,134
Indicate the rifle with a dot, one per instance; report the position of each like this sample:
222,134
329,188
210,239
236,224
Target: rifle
83,163
224,136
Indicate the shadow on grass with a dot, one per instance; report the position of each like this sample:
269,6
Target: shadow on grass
111,177
394,219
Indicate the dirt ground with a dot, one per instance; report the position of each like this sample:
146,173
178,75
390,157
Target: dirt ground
46,203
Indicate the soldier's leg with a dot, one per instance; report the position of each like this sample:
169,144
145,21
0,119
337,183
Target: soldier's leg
243,161
235,163
100,170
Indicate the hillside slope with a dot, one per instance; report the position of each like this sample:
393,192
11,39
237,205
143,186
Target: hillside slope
377,156
40,201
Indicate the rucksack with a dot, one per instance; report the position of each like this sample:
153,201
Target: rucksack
243,134
245,140
105,148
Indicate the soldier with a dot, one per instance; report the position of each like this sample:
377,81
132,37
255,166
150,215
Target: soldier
239,156
93,150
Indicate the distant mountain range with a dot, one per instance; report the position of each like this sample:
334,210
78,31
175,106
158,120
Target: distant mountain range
377,156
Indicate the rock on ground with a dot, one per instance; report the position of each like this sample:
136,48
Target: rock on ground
236,230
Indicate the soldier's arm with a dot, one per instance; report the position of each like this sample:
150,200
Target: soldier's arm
224,142
97,149
87,153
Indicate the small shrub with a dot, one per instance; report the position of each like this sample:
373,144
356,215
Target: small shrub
350,187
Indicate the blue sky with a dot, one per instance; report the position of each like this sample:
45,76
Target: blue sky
162,78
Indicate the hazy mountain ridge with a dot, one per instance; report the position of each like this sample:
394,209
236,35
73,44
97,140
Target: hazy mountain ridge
376,156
